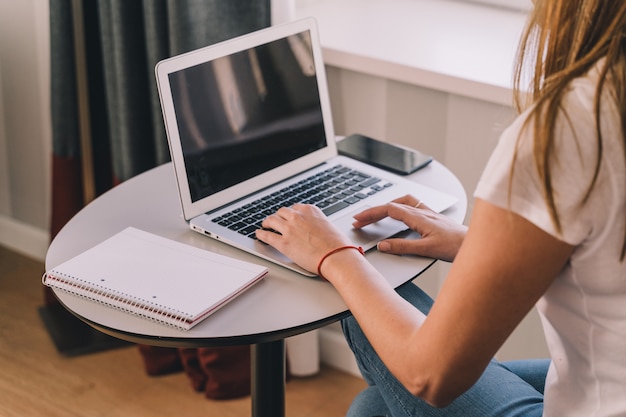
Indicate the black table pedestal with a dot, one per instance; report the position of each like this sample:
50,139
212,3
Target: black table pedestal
268,379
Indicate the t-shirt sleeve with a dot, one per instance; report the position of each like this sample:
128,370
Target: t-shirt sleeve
521,190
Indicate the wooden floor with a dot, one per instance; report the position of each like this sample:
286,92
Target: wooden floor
35,380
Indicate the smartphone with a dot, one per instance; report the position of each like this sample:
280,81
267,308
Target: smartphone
394,158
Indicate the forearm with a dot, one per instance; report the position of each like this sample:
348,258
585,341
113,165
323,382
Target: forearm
386,318
423,358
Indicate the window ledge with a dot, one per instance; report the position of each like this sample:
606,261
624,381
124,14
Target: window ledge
466,49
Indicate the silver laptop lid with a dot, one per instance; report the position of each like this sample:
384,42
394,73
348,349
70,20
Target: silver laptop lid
244,113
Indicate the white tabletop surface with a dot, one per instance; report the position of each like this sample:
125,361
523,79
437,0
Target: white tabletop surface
283,304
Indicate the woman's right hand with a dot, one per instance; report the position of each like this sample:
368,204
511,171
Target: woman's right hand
441,237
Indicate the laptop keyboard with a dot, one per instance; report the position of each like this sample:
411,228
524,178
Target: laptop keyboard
331,190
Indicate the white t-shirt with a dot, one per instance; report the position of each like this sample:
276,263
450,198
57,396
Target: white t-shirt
584,311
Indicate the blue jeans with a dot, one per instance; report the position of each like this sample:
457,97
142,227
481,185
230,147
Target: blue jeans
505,388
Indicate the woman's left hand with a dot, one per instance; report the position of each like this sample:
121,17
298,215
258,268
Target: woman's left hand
441,237
303,233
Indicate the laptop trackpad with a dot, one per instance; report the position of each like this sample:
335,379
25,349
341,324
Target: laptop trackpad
370,235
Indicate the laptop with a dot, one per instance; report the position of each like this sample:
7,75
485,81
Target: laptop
250,129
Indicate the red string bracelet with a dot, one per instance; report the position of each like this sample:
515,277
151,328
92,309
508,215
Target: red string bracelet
319,265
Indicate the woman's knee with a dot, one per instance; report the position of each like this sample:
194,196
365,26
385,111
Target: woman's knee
369,403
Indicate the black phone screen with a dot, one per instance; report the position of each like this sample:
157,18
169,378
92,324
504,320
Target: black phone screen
382,154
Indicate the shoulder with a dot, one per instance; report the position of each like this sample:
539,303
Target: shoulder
511,178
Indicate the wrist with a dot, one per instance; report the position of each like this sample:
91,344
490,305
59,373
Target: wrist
330,257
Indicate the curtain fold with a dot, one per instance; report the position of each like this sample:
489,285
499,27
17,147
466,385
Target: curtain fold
123,40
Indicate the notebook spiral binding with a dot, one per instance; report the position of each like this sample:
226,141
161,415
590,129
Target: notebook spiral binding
115,299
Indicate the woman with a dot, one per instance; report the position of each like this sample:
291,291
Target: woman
548,228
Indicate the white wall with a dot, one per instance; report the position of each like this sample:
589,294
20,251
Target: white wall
514,4
25,134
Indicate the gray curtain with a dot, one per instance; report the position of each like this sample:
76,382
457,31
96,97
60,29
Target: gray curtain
123,40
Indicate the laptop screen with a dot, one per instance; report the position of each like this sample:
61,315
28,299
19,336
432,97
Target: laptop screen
246,113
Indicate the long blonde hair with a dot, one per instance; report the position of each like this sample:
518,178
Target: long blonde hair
563,39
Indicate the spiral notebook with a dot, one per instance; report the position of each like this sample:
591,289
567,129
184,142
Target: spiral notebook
155,277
